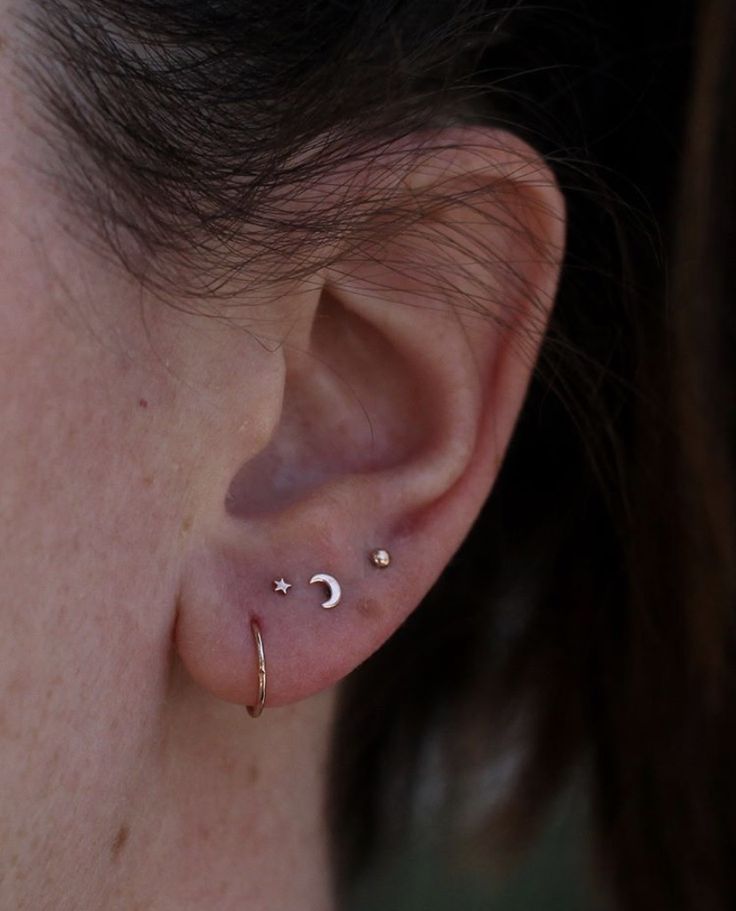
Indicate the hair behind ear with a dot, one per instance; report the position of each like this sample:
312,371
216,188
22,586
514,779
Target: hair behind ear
573,647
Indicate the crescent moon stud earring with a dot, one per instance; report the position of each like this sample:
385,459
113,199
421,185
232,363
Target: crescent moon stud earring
333,587
255,710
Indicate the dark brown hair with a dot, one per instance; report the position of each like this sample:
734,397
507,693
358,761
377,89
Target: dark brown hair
586,623
592,605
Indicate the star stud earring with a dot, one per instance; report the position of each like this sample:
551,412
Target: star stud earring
281,585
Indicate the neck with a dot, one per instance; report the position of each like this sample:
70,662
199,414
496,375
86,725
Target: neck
232,813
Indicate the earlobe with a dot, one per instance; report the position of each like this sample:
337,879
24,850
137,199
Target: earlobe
395,415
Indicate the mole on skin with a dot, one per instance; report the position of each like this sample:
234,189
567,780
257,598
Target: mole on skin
119,842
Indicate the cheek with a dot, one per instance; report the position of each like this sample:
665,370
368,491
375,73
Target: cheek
116,433
88,569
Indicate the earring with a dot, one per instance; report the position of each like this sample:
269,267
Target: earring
380,557
255,710
281,585
333,586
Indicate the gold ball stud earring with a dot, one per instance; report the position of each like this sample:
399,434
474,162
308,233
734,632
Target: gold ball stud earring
380,557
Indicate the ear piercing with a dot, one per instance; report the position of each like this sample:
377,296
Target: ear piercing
333,587
255,710
379,557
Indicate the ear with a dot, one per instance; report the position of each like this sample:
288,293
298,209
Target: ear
402,383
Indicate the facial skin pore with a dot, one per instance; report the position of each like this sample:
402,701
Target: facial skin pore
131,776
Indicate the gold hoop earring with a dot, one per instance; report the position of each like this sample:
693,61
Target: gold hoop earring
255,710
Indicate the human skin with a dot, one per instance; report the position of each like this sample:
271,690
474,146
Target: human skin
107,784
130,774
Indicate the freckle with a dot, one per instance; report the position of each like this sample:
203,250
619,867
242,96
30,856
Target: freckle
119,843
253,774
148,480
186,525
143,403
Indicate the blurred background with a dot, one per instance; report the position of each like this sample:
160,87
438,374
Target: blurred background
553,876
